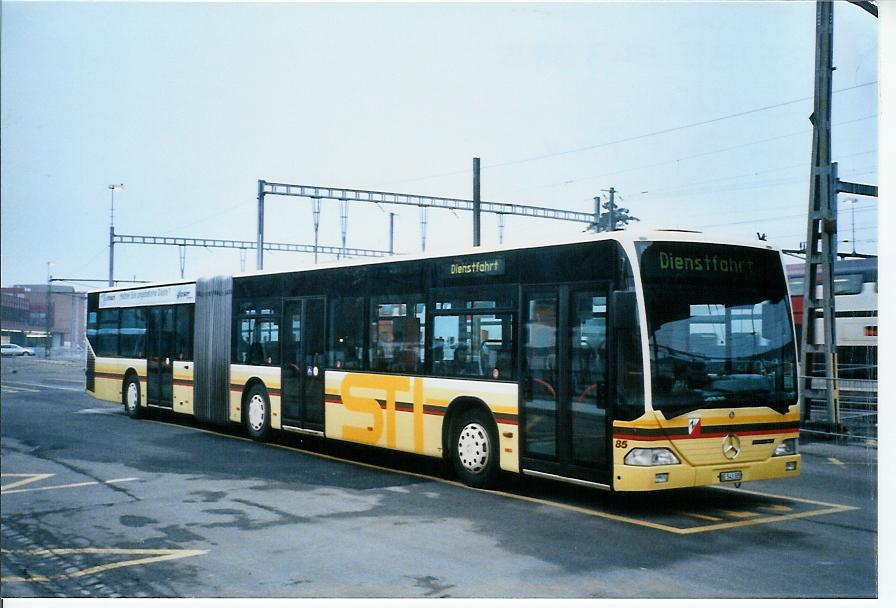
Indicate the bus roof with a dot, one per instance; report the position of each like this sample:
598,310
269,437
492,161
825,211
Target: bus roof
621,236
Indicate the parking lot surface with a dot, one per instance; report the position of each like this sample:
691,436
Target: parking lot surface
95,504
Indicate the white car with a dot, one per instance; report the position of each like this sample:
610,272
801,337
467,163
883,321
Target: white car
14,350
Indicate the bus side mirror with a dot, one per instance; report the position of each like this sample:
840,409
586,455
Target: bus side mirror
624,310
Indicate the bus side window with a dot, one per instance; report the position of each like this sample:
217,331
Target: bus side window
107,335
396,334
346,337
183,332
245,337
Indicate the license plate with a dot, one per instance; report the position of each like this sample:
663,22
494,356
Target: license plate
730,476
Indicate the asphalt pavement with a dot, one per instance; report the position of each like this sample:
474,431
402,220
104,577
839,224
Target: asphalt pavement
97,505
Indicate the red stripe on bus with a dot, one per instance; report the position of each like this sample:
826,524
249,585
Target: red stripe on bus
109,376
702,435
238,388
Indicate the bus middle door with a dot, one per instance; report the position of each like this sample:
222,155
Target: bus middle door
302,363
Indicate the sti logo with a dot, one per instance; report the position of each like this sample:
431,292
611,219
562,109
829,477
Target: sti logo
693,426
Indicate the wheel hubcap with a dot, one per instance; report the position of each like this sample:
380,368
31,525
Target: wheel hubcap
472,447
132,396
256,412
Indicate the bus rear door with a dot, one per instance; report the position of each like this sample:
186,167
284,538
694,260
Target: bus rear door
159,356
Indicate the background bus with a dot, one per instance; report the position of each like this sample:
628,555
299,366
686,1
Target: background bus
624,362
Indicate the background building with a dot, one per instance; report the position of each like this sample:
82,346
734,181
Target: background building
23,317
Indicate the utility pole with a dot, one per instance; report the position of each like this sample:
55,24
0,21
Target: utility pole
612,209
821,239
259,236
182,255
424,219
391,233
477,203
343,225
112,189
315,218
48,343
596,214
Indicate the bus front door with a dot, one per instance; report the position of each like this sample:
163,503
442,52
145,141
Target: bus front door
564,385
302,364
159,356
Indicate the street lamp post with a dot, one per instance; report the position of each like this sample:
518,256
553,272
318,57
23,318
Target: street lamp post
112,189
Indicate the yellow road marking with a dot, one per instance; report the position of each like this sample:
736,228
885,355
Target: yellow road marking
764,520
28,478
739,514
778,508
153,555
69,485
702,516
788,498
831,507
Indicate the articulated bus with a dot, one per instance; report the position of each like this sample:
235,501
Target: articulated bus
622,361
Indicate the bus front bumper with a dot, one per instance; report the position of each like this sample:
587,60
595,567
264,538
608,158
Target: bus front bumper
628,478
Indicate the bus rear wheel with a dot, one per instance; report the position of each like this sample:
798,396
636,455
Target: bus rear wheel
132,397
257,414
474,450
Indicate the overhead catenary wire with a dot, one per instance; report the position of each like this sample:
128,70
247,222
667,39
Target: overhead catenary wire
765,219
621,140
750,174
669,130
679,159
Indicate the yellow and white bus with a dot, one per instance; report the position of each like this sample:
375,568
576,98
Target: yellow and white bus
625,361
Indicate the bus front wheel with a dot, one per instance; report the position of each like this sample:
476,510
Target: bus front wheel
475,449
258,414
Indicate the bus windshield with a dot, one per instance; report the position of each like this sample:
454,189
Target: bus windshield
719,327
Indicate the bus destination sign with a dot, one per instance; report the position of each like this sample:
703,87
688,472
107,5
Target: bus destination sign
474,268
704,263
676,261
150,296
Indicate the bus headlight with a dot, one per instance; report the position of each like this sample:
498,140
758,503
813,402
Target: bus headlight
650,457
786,448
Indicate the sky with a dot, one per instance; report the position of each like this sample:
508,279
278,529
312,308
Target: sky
696,113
